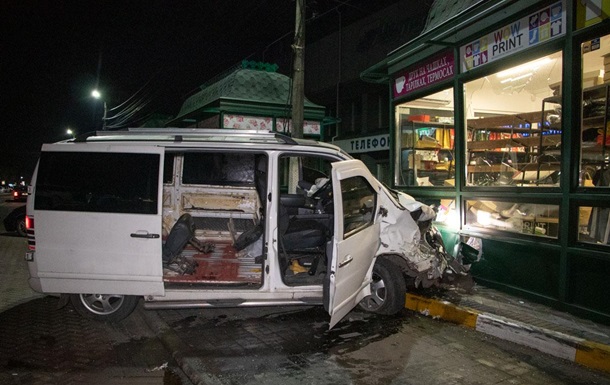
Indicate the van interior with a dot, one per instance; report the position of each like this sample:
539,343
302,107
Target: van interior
215,215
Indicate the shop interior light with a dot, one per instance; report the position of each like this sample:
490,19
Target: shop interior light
483,218
526,67
428,102
527,75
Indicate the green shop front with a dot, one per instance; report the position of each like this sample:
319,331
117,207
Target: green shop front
500,118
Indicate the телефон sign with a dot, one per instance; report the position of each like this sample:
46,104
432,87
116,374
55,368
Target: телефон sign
364,144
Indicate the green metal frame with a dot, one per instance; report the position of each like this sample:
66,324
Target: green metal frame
564,257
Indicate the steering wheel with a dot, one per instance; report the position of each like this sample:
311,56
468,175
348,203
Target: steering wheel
324,193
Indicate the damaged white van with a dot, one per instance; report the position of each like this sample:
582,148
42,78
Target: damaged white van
211,218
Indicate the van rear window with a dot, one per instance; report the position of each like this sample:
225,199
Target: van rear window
98,182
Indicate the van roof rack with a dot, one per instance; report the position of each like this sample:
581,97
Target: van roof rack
196,134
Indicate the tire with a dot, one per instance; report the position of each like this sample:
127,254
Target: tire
20,228
104,307
388,290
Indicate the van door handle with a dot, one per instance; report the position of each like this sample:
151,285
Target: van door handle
144,235
347,260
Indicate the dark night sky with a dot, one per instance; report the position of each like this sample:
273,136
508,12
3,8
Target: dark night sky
54,53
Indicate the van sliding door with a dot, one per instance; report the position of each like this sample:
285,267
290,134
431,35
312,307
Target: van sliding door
98,210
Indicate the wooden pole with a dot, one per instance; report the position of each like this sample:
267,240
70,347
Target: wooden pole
298,70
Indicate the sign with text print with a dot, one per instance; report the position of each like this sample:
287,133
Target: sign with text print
364,144
537,28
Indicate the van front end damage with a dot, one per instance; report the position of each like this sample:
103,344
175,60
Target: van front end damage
407,232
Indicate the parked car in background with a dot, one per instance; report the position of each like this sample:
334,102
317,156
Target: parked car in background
15,221
20,193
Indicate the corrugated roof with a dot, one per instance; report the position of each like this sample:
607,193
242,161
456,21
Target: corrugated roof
247,85
443,10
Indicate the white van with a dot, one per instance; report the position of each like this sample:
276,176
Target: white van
211,218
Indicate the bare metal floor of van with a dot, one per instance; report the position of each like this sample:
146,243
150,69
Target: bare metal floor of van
222,266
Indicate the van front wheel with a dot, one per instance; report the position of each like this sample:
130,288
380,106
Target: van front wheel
104,307
388,290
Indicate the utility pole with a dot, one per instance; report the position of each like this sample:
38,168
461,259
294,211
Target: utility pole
298,70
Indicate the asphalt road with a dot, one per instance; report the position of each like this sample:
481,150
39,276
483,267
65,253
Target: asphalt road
41,344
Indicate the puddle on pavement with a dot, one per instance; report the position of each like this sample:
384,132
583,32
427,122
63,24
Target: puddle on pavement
292,332
356,331
283,344
171,378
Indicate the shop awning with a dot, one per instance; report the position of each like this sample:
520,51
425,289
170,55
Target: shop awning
450,24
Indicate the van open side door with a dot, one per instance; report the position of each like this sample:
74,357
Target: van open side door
355,240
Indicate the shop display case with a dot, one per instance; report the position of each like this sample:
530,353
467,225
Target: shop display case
516,150
526,218
594,222
595,133
427,151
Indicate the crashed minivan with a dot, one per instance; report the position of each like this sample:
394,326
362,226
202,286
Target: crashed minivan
187,218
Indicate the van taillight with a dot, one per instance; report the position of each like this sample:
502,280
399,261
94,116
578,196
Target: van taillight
15,194
29,229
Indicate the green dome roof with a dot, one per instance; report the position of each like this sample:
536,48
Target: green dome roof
244,85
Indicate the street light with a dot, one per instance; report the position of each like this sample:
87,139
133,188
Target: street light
97,95
70,132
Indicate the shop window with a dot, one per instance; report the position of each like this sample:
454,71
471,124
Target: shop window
426,141
594,225
526,218
595,124
513,125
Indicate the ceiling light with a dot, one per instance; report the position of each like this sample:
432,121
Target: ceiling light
517,78
527,67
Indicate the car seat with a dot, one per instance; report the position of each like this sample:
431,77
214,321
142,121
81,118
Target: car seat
182,232
301,238
260,180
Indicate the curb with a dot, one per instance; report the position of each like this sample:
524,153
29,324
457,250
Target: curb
583,352
171,341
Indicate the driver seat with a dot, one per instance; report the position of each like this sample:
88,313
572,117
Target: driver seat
299,234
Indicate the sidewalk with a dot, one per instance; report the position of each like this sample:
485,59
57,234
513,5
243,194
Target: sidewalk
520,321
488,311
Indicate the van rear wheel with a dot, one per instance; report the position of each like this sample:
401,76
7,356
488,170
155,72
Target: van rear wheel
104,307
